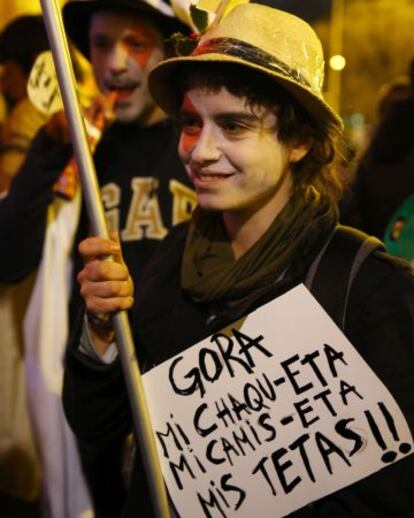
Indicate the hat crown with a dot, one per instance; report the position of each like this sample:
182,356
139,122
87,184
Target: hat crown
265,40
288,41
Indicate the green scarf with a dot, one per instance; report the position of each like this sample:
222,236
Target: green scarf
210,272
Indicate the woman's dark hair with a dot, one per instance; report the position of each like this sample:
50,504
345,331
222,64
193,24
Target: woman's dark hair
294,124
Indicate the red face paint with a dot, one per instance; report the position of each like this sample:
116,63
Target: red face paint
190,125
124,47
234,157
139,45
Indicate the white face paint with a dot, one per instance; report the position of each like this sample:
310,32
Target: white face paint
233,155
123,48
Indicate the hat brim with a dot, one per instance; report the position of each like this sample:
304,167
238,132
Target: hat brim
161,86
77,16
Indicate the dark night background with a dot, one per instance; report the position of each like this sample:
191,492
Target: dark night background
309,10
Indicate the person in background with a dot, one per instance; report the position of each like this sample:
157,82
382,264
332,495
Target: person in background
145,191
258,141
20,43
384,176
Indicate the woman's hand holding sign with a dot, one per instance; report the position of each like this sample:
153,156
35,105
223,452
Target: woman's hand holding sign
105,285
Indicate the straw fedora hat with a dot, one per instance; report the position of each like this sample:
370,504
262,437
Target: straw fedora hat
270,41
77,15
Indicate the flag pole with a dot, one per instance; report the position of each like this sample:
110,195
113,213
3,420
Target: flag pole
140,414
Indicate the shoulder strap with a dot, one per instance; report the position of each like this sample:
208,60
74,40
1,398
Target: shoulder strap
332,273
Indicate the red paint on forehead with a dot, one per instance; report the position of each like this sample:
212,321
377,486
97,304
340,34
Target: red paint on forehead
188,141
148,42
188,105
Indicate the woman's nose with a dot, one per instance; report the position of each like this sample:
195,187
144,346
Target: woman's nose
206,147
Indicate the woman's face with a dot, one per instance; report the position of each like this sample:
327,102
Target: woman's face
232,153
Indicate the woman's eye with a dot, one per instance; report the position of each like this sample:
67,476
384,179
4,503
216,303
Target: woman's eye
233,128
191,129
189,126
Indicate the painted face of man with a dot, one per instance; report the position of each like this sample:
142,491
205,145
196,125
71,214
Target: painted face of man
233,154
123,48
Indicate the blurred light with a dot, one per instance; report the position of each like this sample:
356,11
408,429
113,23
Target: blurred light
357,119
337,62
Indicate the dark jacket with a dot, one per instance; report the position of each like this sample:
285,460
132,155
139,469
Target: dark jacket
143,185
379,324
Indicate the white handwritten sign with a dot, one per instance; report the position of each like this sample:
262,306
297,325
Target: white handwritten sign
270,414
43,87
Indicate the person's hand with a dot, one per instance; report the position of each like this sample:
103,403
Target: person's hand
105,285
57,128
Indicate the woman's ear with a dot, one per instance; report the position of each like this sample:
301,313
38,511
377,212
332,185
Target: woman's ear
300,149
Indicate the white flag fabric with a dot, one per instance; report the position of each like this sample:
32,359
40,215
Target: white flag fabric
65,493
